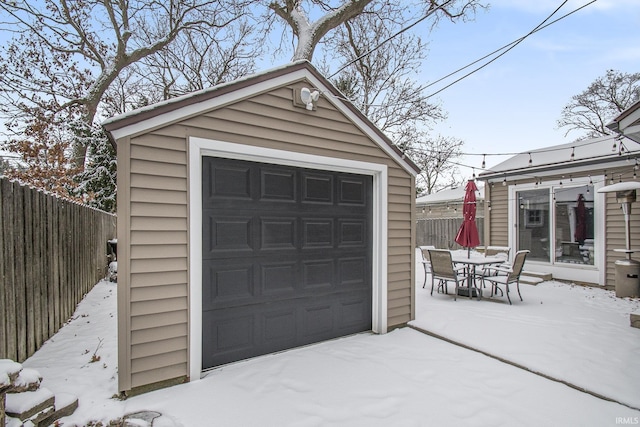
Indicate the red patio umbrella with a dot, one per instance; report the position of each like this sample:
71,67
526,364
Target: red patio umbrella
468,233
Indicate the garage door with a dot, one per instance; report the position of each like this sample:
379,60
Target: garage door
286,257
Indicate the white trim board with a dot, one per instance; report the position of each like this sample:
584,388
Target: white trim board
199,147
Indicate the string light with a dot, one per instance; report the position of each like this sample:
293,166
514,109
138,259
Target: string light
573,154
615,146
530,160
504,181
484,163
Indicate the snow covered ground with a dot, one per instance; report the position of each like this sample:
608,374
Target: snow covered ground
404,378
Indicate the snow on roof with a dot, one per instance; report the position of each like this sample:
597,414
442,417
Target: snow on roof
449,195
586,151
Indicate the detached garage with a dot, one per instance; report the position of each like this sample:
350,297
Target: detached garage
254,217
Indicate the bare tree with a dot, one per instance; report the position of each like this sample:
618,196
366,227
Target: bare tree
70,63
605,98
381,83
198,59
436,158
333,13
65,54
379,79
310,33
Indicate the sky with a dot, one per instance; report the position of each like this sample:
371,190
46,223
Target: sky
579,335
512,105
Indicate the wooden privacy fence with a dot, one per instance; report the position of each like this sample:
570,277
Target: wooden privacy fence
52,252
441,232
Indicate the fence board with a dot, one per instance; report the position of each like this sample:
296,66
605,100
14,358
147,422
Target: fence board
441,232
52,252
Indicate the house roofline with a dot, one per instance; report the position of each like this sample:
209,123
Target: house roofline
548,169
120,122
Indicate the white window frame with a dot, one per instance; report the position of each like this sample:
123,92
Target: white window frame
565,271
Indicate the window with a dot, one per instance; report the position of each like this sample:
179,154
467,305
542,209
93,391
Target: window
556,224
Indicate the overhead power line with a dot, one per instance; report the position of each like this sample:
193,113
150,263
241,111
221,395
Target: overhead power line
379,45
508,46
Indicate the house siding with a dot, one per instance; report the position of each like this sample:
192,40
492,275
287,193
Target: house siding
616,231
498,216
154,331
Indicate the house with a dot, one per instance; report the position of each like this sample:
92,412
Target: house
546,201
439,216
256,216
628,122
447,203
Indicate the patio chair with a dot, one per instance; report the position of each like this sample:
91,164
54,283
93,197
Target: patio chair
443,270
501,251
426,262
498,250
507,276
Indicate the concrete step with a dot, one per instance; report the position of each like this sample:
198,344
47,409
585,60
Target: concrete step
543,276
24,403
41,408
65,405
30,405
530,280
635,319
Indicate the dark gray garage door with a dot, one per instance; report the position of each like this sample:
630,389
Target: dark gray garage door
286,257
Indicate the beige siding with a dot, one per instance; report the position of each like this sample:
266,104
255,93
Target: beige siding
616,231
498,216
158,269
156,302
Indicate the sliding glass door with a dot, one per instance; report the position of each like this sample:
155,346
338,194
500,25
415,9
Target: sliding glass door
556,223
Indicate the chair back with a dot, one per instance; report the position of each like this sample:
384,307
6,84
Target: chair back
441,264
518,264
498,250
425,252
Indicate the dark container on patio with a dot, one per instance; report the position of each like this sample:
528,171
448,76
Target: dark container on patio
627,278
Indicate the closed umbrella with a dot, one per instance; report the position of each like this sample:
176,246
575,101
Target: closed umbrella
581,221
468,233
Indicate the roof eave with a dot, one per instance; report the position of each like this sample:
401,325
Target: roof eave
548,169
118,124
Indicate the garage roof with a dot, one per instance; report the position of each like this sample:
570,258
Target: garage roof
176,109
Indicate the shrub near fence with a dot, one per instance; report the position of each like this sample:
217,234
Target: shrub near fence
52,252
441,232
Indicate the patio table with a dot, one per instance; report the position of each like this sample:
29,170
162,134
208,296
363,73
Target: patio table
472,260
